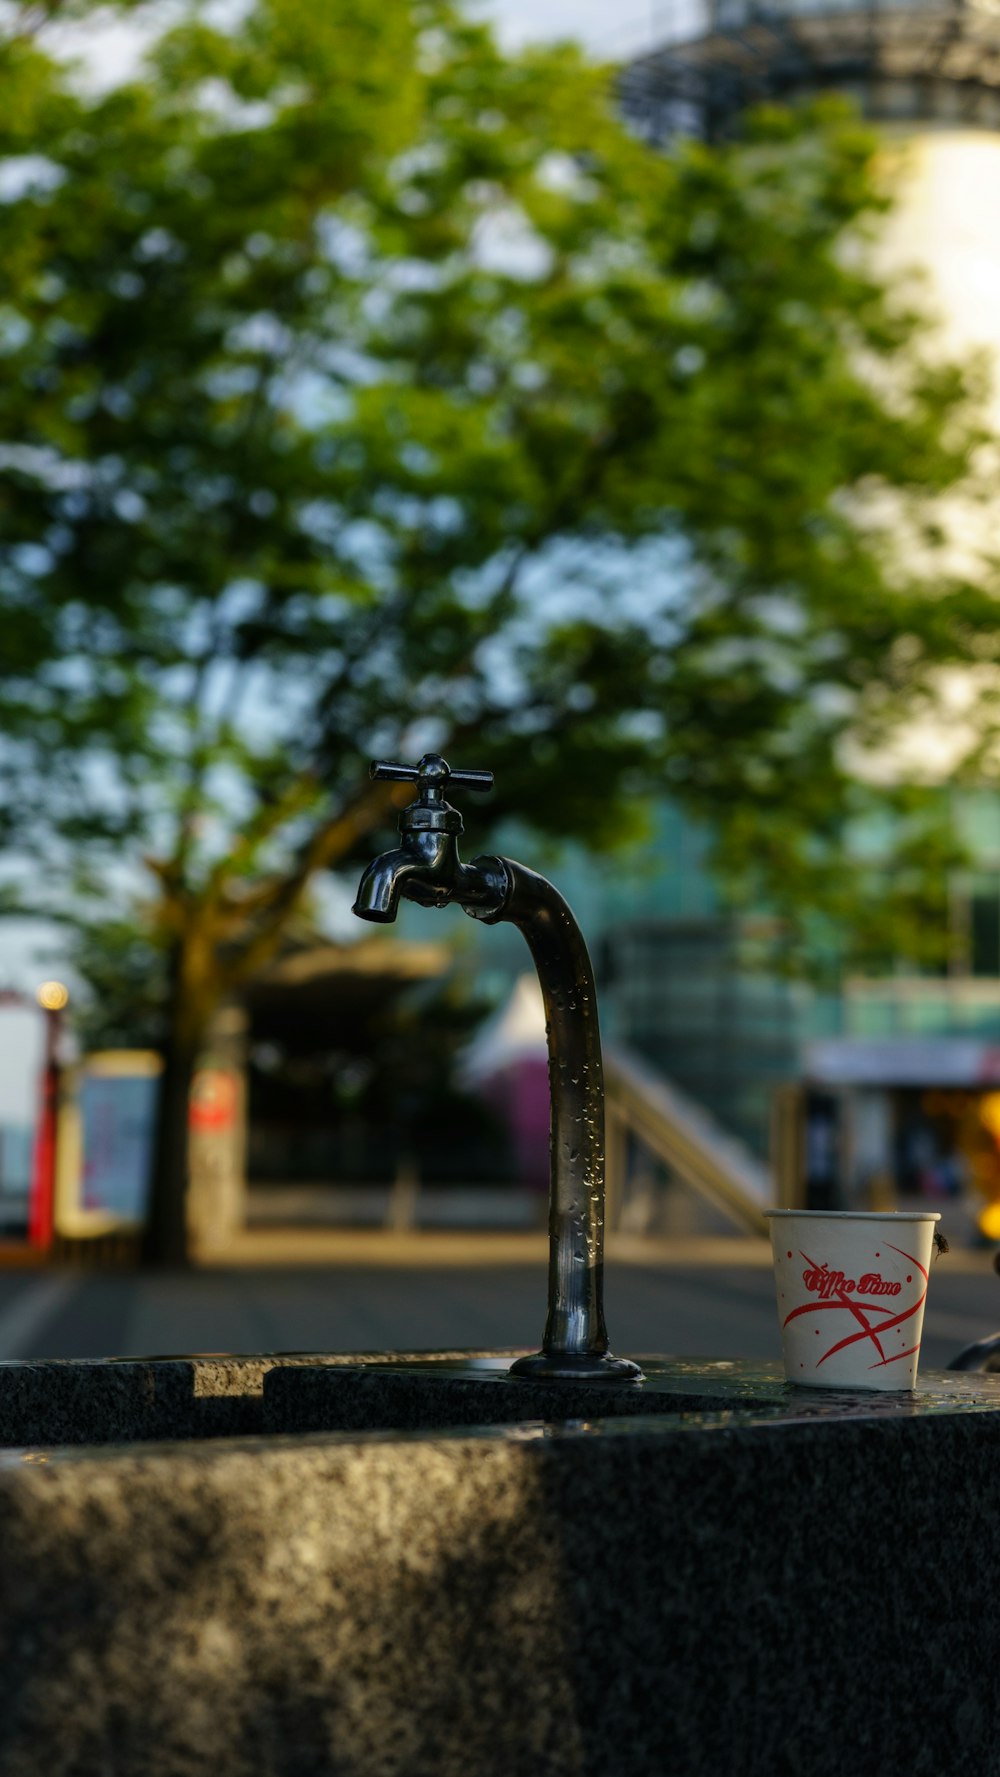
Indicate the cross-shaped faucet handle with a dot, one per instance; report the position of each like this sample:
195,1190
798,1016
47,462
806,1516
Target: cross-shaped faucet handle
433,774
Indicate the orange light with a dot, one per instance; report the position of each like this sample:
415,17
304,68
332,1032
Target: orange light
989,1221
52,996
989,1112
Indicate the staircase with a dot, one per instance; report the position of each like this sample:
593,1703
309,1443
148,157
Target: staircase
641,1107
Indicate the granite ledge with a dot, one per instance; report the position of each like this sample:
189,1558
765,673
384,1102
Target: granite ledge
122,1401
647,1597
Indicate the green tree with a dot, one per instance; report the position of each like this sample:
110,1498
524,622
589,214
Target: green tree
365,389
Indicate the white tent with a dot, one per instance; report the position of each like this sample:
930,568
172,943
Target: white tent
514,1032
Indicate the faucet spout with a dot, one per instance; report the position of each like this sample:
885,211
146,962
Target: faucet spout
426,868
380,886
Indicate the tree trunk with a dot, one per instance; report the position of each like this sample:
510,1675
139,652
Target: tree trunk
166,1236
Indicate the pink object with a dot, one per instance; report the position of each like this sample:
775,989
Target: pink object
508,1065
519,1093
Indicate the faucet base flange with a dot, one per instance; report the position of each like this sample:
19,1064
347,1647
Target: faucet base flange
582,1366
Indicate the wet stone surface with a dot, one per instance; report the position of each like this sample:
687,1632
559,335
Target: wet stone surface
425,1391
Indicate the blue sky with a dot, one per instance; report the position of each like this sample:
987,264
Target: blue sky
606,30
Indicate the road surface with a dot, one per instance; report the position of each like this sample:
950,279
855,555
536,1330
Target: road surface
686,1307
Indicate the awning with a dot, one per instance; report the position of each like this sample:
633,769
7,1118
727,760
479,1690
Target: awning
902,1061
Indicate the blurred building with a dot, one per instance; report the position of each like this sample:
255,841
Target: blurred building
909,60
328,1094
898,1073
678,975
884,1088
927,72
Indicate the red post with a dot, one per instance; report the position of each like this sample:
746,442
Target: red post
52,998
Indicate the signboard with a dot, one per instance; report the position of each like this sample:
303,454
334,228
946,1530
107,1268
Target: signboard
105,1142
214,1100
902,1061
22,1058
117,1112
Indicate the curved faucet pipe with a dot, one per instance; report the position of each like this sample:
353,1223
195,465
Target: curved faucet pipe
575,1329
983,1355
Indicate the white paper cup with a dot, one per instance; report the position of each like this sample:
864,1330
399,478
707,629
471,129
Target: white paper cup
851,1290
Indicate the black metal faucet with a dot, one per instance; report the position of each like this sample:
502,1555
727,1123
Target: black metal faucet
426,867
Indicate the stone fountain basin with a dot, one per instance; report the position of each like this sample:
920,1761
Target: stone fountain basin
777,1583
215,1395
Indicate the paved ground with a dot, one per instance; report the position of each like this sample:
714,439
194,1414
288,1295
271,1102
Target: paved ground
689,1303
